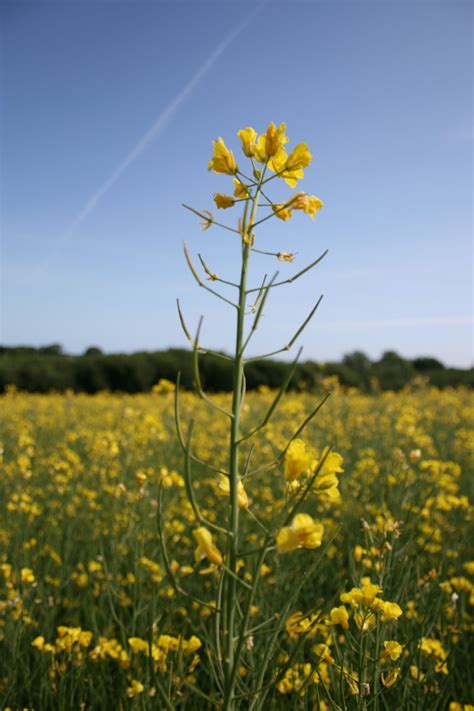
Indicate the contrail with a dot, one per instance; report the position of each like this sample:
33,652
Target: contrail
158,126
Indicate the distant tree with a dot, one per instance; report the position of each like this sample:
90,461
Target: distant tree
452,377
361,365
425,363
93,351
393,371
89,376
54,349
308,376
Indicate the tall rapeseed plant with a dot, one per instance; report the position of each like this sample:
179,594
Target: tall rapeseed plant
306,473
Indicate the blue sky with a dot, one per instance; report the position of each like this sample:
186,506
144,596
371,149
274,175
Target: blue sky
109,111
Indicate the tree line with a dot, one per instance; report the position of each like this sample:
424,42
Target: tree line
48,368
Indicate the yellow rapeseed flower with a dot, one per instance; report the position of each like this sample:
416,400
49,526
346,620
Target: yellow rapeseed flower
38,642
275,139
392,650
222,160
390,611
326,482
27,576
223,201
390,678
299,158
205,547
270,144
282,211
248,137
298,623
303,533
365,621
224,488
297,460
416,673
310,204
365,595
340,616
278,165
138,645
135,688
6,569
240,189
323,651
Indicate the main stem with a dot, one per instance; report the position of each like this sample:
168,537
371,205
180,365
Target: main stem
238,376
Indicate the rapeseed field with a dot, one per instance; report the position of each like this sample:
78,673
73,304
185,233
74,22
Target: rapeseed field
372,578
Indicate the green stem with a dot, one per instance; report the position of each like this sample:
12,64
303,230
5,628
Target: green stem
231,661
234,483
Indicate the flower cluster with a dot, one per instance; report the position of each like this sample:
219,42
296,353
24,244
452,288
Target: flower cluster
266,151
366,606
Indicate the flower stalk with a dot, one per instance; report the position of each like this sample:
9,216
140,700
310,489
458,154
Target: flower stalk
234,595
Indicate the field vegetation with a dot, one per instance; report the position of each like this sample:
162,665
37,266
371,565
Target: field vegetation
89,619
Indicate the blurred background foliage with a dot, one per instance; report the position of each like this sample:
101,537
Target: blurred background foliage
48,368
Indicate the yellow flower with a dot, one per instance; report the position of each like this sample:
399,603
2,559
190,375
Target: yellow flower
223,201
138,645
240,189
323,651
326,482
278,165
162,387
332,463
135,688
224,488
303,533
416,673
205,547
364,621
299,158
281,211
6,569
27,575
223,160
392,651
270,144
274,139
389,679
297,460
365,595
192,645
310,204
290,168
432,647
38,643
390,611
340,616
298,623
248,136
